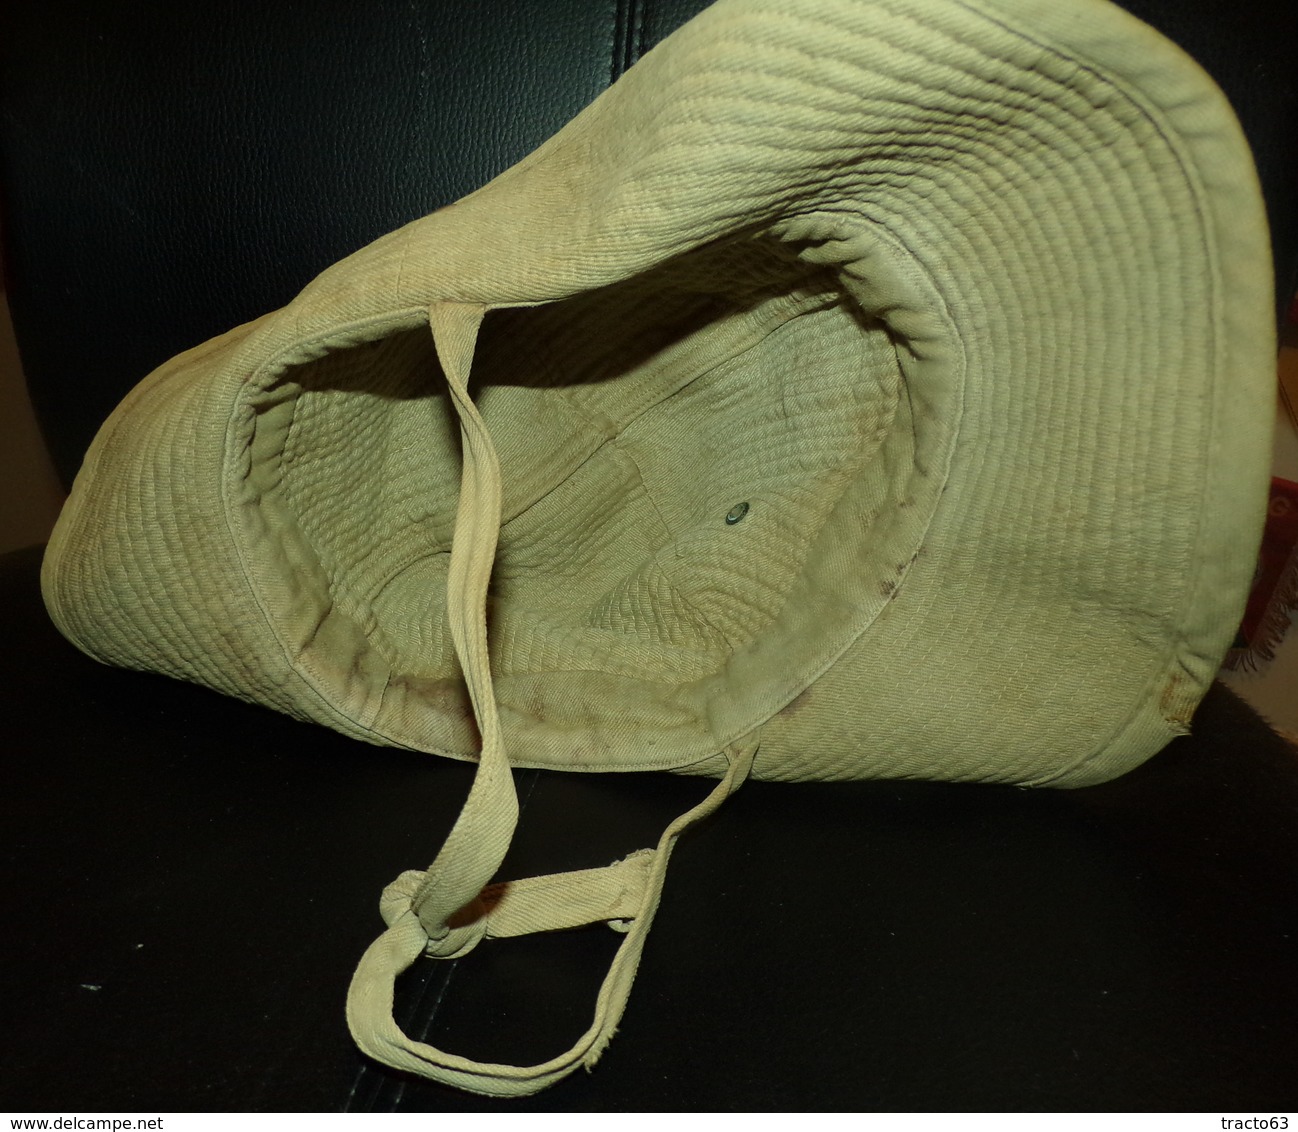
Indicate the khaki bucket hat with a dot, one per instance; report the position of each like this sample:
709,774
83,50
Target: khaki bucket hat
858,388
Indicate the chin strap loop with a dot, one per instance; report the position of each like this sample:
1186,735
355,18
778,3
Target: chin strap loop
446,910
625,895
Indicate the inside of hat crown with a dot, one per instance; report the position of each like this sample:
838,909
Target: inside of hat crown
706,470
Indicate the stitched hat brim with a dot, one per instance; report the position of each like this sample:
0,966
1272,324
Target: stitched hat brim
1068,206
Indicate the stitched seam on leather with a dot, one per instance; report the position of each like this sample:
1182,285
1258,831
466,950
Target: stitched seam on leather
627,44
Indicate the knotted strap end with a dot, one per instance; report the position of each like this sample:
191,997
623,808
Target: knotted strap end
625,893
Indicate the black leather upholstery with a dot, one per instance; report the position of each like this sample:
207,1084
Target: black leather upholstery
172,170
188,880
212,869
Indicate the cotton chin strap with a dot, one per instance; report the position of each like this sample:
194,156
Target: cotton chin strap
446,910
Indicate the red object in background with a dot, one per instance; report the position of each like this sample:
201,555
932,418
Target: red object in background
1273,597
1275,585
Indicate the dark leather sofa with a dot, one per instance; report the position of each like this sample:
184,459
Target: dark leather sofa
188,881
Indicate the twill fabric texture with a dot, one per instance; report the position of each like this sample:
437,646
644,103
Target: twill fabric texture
856,389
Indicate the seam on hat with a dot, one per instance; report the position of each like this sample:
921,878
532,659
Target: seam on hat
667,574
292,354
307,349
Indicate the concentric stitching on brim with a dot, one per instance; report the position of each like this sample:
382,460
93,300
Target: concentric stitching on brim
422,278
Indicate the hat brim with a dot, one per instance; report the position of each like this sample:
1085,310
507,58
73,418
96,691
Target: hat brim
1052,211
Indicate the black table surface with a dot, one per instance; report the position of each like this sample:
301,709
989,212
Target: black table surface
188,882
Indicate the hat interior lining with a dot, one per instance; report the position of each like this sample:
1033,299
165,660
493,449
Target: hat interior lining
696,462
